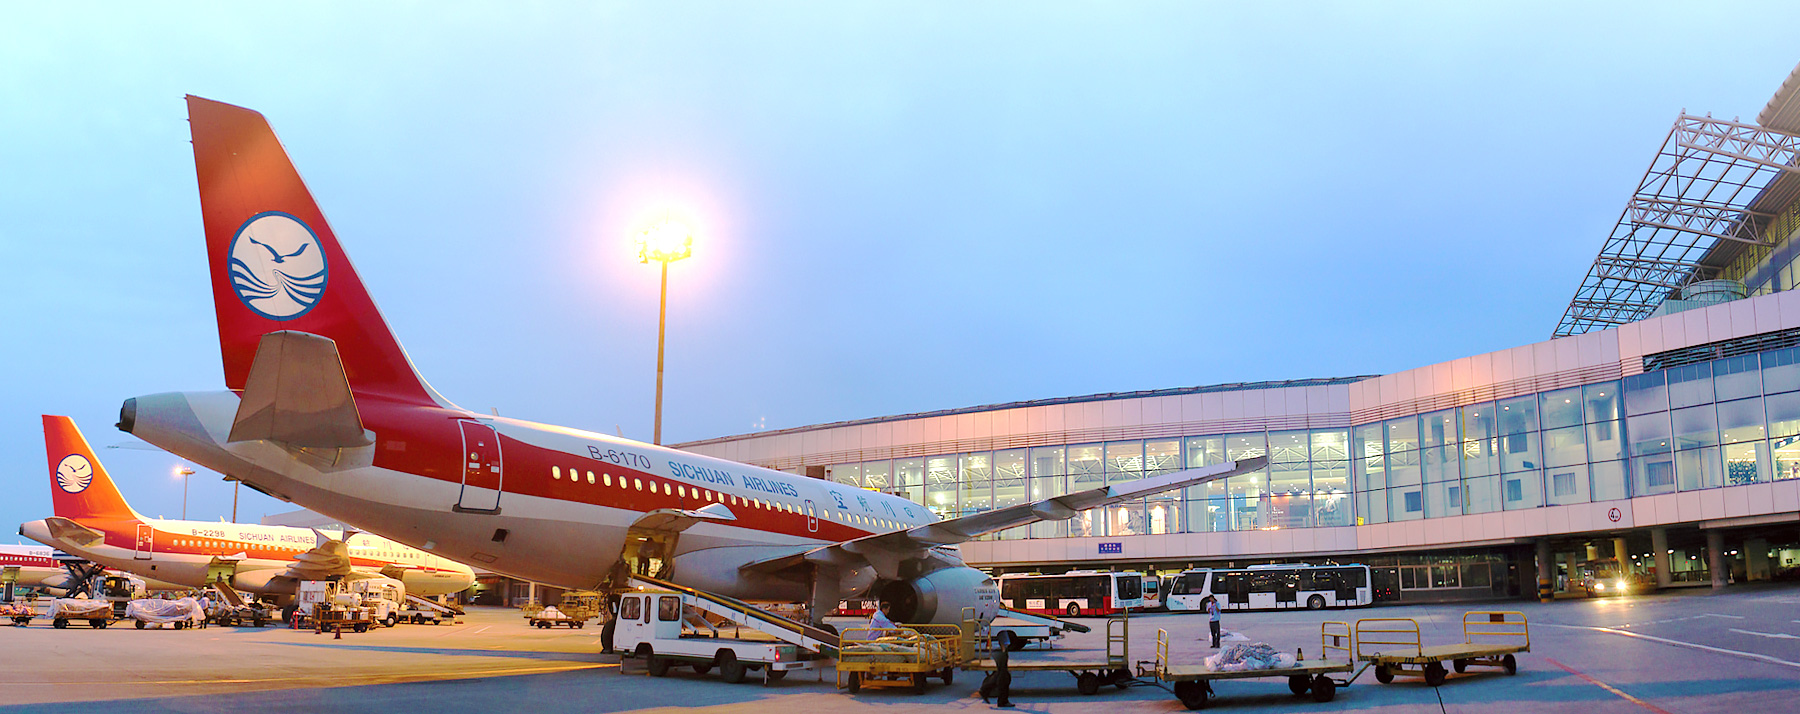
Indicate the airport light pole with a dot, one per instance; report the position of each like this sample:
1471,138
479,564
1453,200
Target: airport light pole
184,472
665,243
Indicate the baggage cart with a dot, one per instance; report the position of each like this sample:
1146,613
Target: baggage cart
1192,683
1090,674
904,656
1490,639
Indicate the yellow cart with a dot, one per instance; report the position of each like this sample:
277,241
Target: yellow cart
1490,638
905,656
1192,683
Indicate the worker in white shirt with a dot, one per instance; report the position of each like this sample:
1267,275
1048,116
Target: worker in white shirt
880,620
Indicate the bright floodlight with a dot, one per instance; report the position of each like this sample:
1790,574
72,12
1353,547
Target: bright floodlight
666,242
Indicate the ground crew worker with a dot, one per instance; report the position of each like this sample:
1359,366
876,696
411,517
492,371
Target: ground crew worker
879,620
1212,613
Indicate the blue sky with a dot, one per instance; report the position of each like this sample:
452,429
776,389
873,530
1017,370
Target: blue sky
902,206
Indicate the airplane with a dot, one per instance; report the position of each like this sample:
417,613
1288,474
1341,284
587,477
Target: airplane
38,567
94,522
323,408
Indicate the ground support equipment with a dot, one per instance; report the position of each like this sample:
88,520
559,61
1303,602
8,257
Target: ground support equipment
1490,639
904,656
1016,629
664,625
339,619
1192,683
19,613
1089,675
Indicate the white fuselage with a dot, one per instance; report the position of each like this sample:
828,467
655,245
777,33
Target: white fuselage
193,553
541,524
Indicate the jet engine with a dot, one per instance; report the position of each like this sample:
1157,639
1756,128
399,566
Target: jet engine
940,596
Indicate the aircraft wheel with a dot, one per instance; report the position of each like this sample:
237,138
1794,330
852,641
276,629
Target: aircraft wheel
1087,683
732,671
854,684
1323,689
1383,674
1435,674
1510,663
1299,684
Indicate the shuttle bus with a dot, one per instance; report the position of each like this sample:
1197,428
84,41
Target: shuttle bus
1153,592
1072,594
1272,587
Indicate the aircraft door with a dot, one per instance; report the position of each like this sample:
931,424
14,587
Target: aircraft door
482,475
146,541
812,518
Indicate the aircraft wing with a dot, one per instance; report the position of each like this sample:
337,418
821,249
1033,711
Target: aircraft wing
884,551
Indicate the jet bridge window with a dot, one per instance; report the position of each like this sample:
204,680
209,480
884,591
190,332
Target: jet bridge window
668,608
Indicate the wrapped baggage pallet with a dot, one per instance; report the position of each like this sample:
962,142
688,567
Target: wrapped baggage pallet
97,613
179,614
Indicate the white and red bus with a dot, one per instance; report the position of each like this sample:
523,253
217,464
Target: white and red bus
1153,594
1073,594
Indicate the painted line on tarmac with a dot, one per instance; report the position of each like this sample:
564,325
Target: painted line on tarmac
1679,643
377,678
1772,635
1608,687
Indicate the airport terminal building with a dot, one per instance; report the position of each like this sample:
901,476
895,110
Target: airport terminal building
1659,426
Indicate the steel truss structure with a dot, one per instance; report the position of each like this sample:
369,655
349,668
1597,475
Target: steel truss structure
1707,185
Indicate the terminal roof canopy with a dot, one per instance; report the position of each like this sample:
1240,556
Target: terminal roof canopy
1709,193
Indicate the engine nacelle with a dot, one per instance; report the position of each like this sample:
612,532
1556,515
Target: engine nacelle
939,597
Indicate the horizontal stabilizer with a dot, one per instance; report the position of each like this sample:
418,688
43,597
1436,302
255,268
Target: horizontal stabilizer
73,533
297,394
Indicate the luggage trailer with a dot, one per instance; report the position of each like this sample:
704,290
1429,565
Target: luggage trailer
903,656
1089,675
1490,638
1192,683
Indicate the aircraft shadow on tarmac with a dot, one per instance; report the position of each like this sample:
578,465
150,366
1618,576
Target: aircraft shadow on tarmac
456,652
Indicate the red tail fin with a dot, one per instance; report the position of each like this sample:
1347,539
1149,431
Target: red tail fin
276,265
79,486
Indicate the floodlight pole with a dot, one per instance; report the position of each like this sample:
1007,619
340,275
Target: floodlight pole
662,317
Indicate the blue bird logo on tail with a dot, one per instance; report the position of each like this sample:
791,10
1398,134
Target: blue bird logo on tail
277,266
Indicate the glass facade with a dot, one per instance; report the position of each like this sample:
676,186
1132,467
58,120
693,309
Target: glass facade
1715,424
